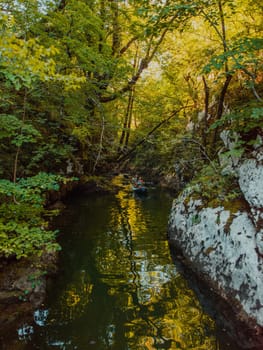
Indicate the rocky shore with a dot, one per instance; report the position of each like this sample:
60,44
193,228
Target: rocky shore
223,245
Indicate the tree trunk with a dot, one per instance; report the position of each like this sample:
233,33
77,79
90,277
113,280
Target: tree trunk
130,112
116,39
128,115
205,124
21,131
220,109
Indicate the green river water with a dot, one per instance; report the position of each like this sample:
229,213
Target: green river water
118,287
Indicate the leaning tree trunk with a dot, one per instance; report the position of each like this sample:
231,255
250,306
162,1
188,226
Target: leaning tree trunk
130,113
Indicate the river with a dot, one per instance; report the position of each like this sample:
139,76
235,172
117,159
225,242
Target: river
118,286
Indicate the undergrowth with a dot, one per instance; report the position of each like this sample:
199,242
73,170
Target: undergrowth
214,188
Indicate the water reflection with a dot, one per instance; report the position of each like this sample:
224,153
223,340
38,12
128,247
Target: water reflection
160,310
119,288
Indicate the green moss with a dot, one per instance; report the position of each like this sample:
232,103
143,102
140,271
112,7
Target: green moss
196,219
214,189
235,205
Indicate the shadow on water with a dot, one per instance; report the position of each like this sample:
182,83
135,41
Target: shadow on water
229,325
118,287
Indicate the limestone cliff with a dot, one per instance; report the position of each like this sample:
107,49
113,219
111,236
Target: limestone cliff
224,244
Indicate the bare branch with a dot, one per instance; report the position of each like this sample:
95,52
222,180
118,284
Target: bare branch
202,150
161,123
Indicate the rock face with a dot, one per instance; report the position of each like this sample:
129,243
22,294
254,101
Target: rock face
22,289
225,246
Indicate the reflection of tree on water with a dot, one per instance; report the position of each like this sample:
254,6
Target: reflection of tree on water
157,308
122,290
75,298
141,285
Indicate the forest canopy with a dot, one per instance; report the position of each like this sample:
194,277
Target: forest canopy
88,86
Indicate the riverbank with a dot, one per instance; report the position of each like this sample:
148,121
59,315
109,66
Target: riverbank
220,239
23,281
23,289
116,273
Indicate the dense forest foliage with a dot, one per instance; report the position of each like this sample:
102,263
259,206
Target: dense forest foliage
92,85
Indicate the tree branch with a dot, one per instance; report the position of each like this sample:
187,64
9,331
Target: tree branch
142,66
202,150
161,123
125,48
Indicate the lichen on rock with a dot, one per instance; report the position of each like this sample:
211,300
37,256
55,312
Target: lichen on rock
224,244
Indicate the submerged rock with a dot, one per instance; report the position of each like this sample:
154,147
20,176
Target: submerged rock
224,245
23,288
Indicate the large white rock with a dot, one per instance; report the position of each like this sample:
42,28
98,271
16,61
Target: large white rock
251,182
226,247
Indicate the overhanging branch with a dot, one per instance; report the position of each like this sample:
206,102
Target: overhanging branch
144,63
161,123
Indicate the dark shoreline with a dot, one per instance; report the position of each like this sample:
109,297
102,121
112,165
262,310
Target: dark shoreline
241,329
23,284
